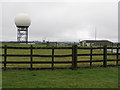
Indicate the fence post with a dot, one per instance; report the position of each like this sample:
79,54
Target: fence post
52,58
5,56
91,57
105,56
74,57
112,48
31,59
117,55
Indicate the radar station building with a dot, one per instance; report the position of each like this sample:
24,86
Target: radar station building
22,22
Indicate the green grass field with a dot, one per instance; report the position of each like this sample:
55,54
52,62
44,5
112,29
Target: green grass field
81,78
49,52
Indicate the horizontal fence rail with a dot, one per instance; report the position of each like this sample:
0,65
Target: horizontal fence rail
74,54
8,47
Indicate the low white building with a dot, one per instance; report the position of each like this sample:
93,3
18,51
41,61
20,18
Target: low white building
95,43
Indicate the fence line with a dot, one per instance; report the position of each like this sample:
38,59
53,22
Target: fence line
74,55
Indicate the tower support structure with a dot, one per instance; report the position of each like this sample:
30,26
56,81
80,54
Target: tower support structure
22,34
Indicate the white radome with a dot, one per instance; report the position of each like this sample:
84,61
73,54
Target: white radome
22,19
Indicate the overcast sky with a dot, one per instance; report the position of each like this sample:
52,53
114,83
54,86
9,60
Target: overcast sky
63,21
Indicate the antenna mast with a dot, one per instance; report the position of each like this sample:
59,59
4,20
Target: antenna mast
95,33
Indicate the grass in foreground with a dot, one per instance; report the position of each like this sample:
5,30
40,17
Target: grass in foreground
81,78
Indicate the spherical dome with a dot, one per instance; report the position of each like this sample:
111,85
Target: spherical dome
22,19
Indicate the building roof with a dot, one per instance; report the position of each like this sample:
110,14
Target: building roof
93,41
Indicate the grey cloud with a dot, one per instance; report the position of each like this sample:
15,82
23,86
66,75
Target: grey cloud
63,21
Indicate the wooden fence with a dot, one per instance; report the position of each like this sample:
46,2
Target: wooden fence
74,56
